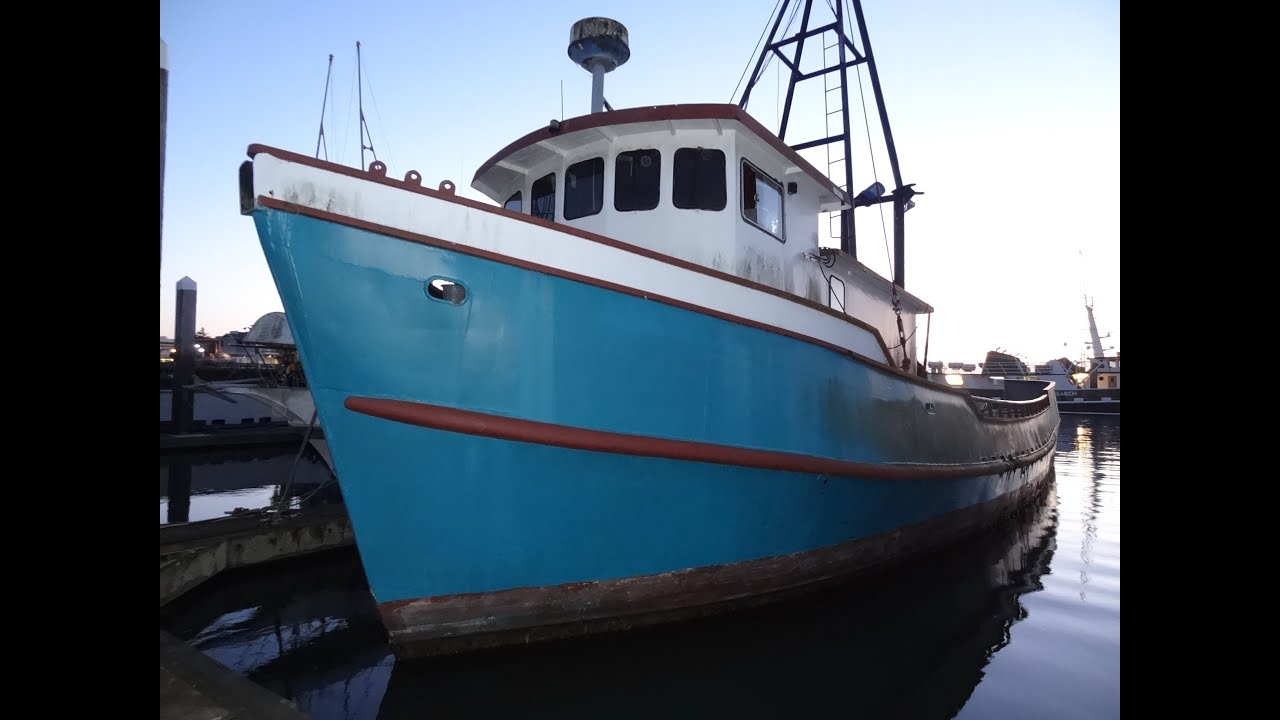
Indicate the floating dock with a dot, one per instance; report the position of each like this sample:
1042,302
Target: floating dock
236,436
194,686
191,553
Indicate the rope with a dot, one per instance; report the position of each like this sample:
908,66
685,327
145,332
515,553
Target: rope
753,50
875,175
927,332
284,494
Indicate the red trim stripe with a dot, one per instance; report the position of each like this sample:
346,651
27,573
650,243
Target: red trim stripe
439,417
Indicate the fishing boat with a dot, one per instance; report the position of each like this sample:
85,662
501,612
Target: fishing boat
1087,387
633,387
1094,387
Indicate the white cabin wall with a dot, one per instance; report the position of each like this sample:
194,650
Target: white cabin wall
807,278
725,240
699,236
762,257
869,299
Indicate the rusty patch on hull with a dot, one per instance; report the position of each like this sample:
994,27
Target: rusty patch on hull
453,624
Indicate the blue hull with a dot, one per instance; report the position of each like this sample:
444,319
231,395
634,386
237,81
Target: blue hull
440,513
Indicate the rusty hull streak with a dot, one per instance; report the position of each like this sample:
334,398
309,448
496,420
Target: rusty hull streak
515,429
451,624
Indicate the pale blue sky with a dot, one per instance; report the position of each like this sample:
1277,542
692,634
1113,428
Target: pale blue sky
1005,113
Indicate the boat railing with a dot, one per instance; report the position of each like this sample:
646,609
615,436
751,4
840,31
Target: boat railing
1022,399
1005,368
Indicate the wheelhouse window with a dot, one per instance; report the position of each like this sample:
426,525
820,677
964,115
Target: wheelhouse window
515,202
762,201
635,180
698,179
542,200
584,188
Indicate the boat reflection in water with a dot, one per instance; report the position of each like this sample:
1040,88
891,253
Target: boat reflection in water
911,644
306,629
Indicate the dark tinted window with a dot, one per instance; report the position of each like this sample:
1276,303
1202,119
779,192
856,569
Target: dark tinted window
698,179
515,202
543,201
584,188
635,180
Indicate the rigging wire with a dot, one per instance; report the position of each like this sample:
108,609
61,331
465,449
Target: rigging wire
377,111
753,50
323,104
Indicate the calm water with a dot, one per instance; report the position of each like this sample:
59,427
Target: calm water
1021,623
209,484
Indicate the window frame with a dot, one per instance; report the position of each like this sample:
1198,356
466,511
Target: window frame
533,197
657,197
782,200
564,203
675,158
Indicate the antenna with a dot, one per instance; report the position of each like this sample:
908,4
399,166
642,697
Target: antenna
599,45
324,103
364,126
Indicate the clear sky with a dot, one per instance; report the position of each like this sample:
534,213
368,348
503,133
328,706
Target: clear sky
1005,113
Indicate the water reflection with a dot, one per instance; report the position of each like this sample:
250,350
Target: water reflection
1091,457
308,631
1021,622
212,483
911,645
1065,661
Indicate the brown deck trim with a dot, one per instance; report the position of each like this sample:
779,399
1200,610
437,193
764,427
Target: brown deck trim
468,422
887,365
448,624
661,113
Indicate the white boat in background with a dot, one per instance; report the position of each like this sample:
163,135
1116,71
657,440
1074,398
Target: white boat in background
1089,387
279,394
1095,387
293,403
